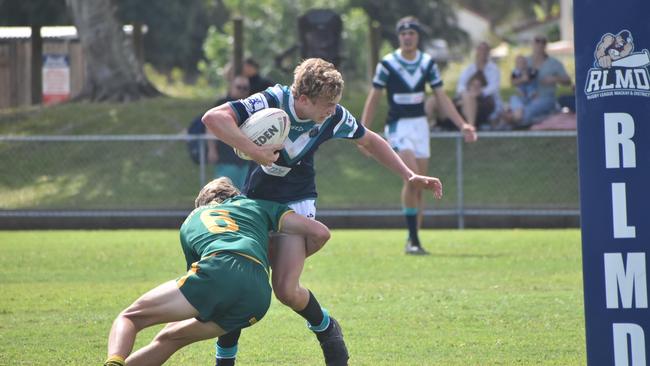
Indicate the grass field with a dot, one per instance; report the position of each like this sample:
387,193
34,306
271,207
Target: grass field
511,297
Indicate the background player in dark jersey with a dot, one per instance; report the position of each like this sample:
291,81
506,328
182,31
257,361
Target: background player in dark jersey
404,74
225,241
288,175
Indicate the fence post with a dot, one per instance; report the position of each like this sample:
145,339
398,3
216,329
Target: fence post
459,182
202,151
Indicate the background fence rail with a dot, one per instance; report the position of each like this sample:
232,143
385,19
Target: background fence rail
515,174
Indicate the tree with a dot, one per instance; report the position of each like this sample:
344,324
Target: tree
176,30
436,16
34,13
500,12
112,70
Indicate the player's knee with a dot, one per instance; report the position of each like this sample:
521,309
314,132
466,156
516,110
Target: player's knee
136,316
288,295
322,235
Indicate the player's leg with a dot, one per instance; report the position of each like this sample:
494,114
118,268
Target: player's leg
411,203
226,348
421,148
172,338
162,304
287,262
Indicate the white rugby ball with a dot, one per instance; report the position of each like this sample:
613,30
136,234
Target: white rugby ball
266,127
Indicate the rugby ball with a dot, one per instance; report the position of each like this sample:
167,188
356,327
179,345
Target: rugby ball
266,127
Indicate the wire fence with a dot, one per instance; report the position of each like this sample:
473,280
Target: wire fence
513,173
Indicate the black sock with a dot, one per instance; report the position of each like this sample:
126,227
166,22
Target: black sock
412,224
229,339
312,312
225,362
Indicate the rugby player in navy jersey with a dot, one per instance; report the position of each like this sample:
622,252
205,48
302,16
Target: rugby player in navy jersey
404,74
286,175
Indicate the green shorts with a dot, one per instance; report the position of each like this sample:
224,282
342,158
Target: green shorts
228,289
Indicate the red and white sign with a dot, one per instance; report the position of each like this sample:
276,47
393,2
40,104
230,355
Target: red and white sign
56,78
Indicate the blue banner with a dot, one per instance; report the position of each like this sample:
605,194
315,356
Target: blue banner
612,61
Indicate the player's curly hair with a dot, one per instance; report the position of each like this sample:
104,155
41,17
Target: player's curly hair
216,191
317,79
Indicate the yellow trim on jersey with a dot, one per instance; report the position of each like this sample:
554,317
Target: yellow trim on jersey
282,217
194,269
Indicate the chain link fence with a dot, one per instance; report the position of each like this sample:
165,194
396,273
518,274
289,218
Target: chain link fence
504,173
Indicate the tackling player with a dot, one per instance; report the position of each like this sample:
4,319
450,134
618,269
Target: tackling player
288,176
225,241
404,74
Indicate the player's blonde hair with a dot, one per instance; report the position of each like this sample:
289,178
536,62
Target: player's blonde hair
216,191
317,79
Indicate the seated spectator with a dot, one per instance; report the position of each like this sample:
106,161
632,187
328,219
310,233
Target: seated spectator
473,90
480,109
550,72
524,79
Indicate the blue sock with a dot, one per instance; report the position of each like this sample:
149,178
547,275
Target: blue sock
323,325
226,355
411,215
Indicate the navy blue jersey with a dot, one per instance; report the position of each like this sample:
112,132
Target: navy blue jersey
404,82
292,177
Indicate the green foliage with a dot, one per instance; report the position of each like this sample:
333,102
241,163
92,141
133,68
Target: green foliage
33,12
437,18
501,12
484,297
176,30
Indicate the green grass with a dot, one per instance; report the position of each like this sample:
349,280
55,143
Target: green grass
529,173
482,298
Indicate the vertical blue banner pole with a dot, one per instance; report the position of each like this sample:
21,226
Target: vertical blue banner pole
612,61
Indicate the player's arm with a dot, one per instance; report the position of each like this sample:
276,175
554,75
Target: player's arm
370,106
221,121
381,151
316,233
448,108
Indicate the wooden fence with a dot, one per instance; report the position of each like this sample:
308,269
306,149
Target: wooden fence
15,61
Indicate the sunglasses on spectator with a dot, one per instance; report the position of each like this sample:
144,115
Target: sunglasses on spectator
241,87
540,40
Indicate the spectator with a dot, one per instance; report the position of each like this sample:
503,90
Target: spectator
227,163
524,79
256,81
550,72
480,109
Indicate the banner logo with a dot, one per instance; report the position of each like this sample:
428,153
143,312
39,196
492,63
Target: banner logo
618,70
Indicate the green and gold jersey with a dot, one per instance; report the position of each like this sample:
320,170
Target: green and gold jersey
238,224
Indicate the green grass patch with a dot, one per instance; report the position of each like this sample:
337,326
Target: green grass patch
484,297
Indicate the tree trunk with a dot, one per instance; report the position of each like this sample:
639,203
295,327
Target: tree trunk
112,70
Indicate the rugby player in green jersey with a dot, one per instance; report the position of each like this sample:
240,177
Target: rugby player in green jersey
226,288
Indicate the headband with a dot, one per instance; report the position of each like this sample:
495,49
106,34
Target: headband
408,25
